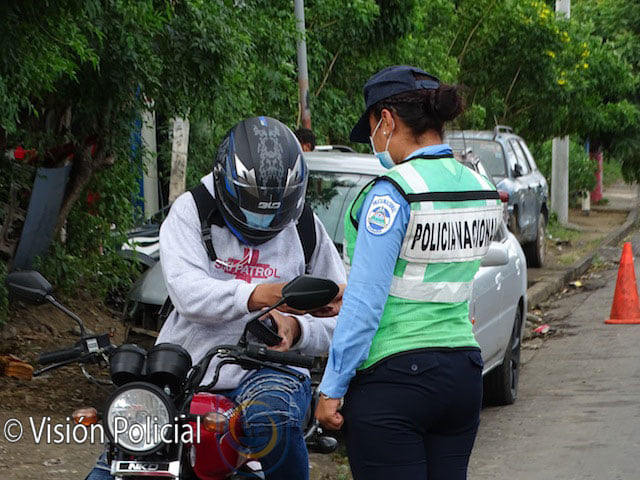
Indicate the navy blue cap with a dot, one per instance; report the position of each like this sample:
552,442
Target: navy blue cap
387,83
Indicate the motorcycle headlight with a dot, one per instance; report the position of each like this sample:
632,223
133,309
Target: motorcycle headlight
138,416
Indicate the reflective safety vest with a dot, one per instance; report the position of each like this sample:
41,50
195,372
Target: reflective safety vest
455,212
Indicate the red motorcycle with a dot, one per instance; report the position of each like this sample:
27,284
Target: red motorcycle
160,421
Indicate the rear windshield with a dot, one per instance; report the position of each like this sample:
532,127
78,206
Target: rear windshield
490,153
329,194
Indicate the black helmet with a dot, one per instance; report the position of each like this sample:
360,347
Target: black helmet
260,178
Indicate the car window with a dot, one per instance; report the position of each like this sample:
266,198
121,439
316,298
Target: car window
527,153
328,194
520,157
489,152
512,160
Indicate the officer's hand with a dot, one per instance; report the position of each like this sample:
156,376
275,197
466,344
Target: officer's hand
327,413
288,329
332,309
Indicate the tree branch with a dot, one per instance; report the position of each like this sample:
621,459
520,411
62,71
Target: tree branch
473,31
453,42
328,72
506,99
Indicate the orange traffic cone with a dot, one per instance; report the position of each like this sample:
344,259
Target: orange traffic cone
626,307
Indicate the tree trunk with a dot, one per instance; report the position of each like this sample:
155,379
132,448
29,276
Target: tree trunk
179,154
83,169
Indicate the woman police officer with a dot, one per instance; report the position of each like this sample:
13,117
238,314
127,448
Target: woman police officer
403,350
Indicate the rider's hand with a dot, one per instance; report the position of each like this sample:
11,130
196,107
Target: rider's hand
264,295
331,309
267,294
327,413
288,329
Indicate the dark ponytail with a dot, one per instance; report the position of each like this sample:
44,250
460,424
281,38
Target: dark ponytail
423,110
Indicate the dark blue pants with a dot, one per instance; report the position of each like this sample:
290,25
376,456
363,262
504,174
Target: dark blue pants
414,416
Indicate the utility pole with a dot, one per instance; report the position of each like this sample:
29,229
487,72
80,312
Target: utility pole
179,151
303,72
560,150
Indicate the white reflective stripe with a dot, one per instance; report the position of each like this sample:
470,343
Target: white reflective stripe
441,292
415,181
345,256
415,272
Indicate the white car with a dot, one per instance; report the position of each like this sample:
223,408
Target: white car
499,294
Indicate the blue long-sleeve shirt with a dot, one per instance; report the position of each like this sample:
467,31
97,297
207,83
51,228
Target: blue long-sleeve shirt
374,259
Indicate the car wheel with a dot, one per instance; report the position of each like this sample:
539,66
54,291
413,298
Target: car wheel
501,384
536,251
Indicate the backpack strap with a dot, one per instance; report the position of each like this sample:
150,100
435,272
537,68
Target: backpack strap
209,215
306,227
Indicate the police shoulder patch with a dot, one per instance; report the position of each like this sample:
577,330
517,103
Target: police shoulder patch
381,214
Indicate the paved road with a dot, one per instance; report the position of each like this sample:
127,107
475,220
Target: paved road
578,415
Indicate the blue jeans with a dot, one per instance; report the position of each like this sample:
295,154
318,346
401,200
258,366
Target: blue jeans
275,405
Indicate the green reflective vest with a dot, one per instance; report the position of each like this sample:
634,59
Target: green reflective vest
455,213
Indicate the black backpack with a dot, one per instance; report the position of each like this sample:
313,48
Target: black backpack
210,215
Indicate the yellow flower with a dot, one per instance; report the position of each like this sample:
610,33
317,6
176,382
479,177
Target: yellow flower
585,65
562,81
551,53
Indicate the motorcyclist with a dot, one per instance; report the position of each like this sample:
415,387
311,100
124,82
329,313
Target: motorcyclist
258,182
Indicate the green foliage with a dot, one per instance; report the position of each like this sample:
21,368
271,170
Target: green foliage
582,168
79,72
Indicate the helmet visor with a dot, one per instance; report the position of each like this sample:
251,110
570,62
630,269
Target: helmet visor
266,209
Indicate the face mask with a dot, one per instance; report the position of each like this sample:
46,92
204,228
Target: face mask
383,157
256,220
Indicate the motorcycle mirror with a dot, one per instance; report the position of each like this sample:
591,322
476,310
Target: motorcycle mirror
28,286
306,292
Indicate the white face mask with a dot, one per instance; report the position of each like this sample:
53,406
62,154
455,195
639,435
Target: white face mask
384,157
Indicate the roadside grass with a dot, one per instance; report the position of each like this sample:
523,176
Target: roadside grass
559,233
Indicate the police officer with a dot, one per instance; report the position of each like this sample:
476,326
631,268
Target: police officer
403,354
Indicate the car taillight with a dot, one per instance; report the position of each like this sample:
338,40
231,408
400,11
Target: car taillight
504,196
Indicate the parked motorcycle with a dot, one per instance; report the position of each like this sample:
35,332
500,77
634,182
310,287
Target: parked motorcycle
160,421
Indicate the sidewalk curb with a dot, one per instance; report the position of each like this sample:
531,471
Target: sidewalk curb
543,289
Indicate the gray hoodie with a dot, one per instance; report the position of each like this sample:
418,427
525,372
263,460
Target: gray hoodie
210,298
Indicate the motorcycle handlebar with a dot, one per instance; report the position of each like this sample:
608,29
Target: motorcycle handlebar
260,352
60,355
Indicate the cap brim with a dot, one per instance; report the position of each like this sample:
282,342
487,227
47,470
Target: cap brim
360,133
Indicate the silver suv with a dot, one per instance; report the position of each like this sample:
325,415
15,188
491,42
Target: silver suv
506,157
